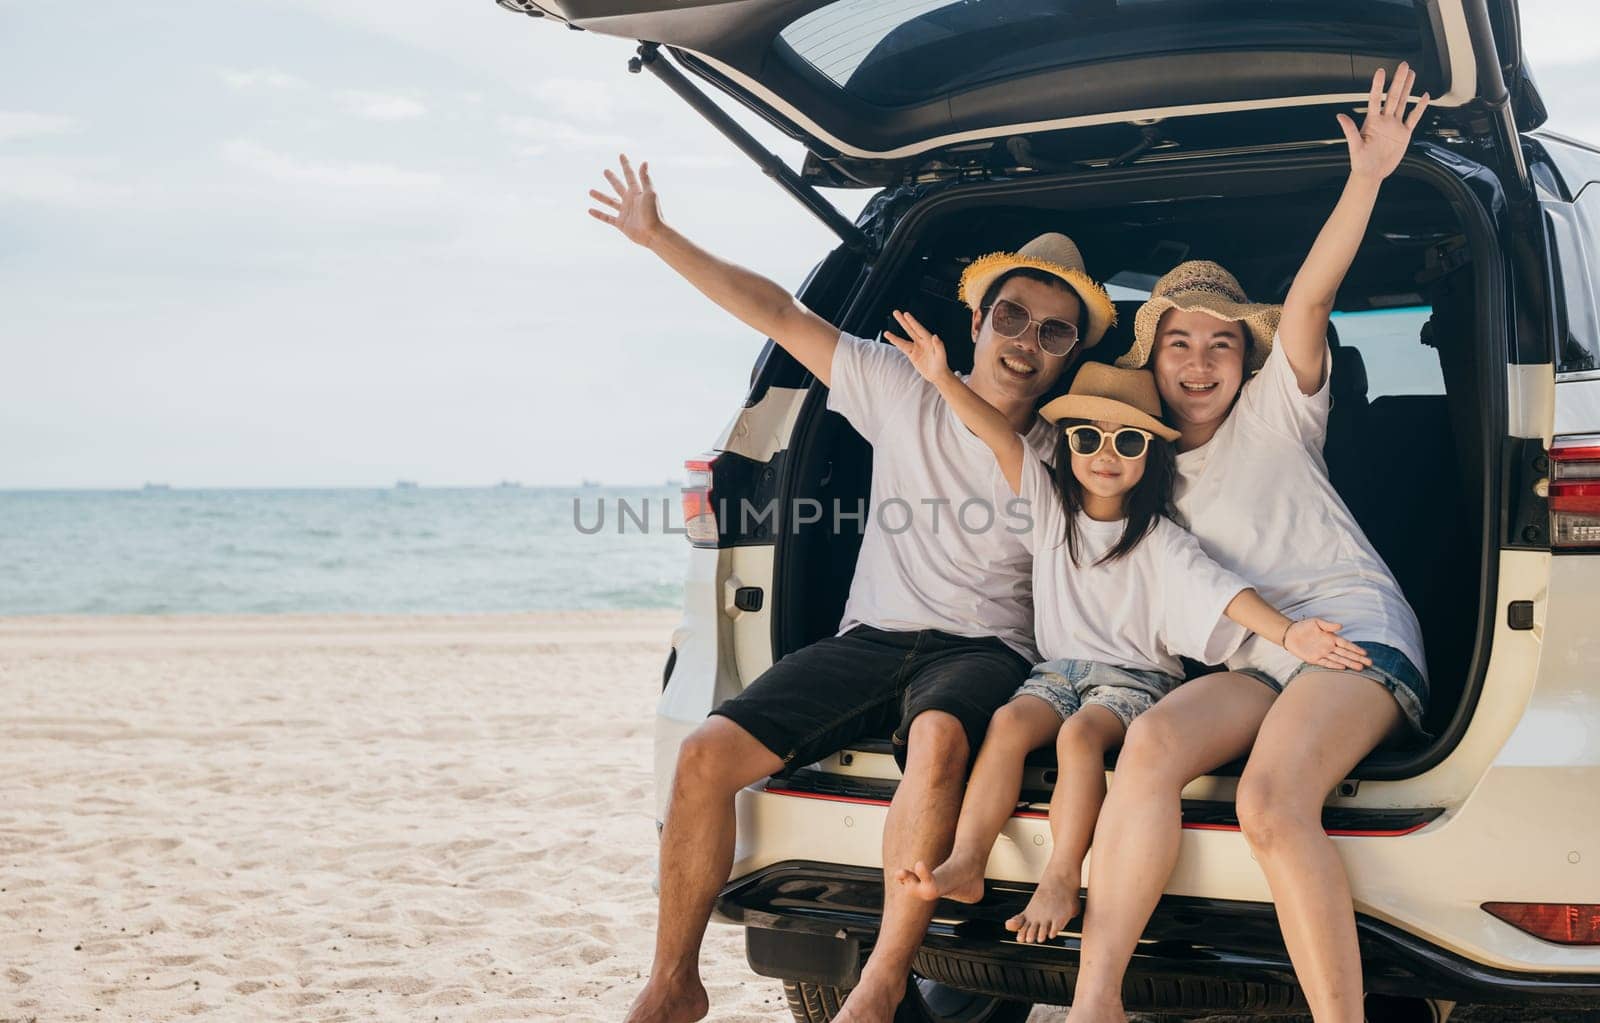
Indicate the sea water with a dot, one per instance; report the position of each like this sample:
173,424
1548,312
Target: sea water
402,549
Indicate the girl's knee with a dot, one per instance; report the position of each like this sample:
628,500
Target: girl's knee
1009,726
1080,734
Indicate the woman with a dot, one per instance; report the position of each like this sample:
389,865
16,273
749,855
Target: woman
1254,489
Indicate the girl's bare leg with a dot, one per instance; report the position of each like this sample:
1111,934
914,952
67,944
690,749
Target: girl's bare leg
1081,747
1321,726
1017,729
1200,726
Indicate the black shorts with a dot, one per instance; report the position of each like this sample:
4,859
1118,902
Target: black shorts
869,682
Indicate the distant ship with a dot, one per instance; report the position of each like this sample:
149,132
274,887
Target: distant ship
509,485
158,486
591,483
405,484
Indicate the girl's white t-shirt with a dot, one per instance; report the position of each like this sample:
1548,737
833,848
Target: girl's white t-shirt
1258,498
1161,601
943,546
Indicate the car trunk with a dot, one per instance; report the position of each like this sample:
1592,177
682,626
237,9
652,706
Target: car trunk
1427,417
1151,131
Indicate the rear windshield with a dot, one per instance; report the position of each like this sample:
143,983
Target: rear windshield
1391,348
894,52
1393,353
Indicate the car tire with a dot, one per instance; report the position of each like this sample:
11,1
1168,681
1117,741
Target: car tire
926,1001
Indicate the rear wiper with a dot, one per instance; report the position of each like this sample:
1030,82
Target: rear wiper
1150,136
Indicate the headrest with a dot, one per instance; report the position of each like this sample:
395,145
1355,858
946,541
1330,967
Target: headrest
1349,375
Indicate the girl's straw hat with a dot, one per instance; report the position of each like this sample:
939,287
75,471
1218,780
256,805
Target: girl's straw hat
1200,285
1055,254
1125,396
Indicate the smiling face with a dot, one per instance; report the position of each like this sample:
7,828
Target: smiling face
1014,370
1198,363
1105,474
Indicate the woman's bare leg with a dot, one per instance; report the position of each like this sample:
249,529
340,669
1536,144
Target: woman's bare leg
1321,726
1197,728
1017,729
1081,747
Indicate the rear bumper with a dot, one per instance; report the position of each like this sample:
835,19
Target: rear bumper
1229,954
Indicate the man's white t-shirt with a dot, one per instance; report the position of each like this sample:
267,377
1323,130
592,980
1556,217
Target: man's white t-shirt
943,546
1161,601
1258,497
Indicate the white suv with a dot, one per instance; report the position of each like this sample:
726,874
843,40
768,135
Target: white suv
1465,436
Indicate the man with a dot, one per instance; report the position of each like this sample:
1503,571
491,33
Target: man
937,631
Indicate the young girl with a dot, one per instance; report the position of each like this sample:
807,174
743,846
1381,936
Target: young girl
1120,594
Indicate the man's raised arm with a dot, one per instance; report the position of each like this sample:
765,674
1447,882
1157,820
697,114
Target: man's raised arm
757,301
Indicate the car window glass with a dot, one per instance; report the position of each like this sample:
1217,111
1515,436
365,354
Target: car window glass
1576,229
893,52
1389,341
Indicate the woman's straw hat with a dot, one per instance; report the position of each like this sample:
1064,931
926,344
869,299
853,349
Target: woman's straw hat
1200,285
1055,254
1125,396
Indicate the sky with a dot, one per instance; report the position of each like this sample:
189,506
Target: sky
344,242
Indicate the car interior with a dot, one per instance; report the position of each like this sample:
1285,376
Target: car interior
1409,465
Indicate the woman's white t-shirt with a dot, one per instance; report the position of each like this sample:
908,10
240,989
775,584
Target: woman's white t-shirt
1161,601
1258,497
943,546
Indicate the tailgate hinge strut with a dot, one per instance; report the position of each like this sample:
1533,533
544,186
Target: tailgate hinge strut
650,58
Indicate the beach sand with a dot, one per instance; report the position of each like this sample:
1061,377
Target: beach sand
336,818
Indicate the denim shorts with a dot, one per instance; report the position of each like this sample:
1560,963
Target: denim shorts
873,682
1390,668
1068,685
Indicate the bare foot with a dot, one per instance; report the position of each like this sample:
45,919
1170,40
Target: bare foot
1054,903
873,1000
670,1000
957,880
1087,1012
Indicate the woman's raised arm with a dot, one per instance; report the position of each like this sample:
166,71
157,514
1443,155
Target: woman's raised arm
1375,151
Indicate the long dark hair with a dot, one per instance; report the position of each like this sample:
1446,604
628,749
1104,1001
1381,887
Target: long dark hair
1147,501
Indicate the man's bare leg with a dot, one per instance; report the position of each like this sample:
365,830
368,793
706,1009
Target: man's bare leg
717,760
920,826
1201,725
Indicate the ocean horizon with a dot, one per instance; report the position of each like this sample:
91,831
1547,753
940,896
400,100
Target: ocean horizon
404,548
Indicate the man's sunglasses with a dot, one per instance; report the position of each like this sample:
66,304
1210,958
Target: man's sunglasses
1056,337
1128,442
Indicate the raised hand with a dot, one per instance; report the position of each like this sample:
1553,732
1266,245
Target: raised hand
1376,149
1313,641
634,209
925,350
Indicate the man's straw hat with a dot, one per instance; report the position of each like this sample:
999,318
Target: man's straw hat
1125,396
1057,255
1200,285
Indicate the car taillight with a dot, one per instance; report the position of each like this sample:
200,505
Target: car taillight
1575,494
1565,923
699,515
